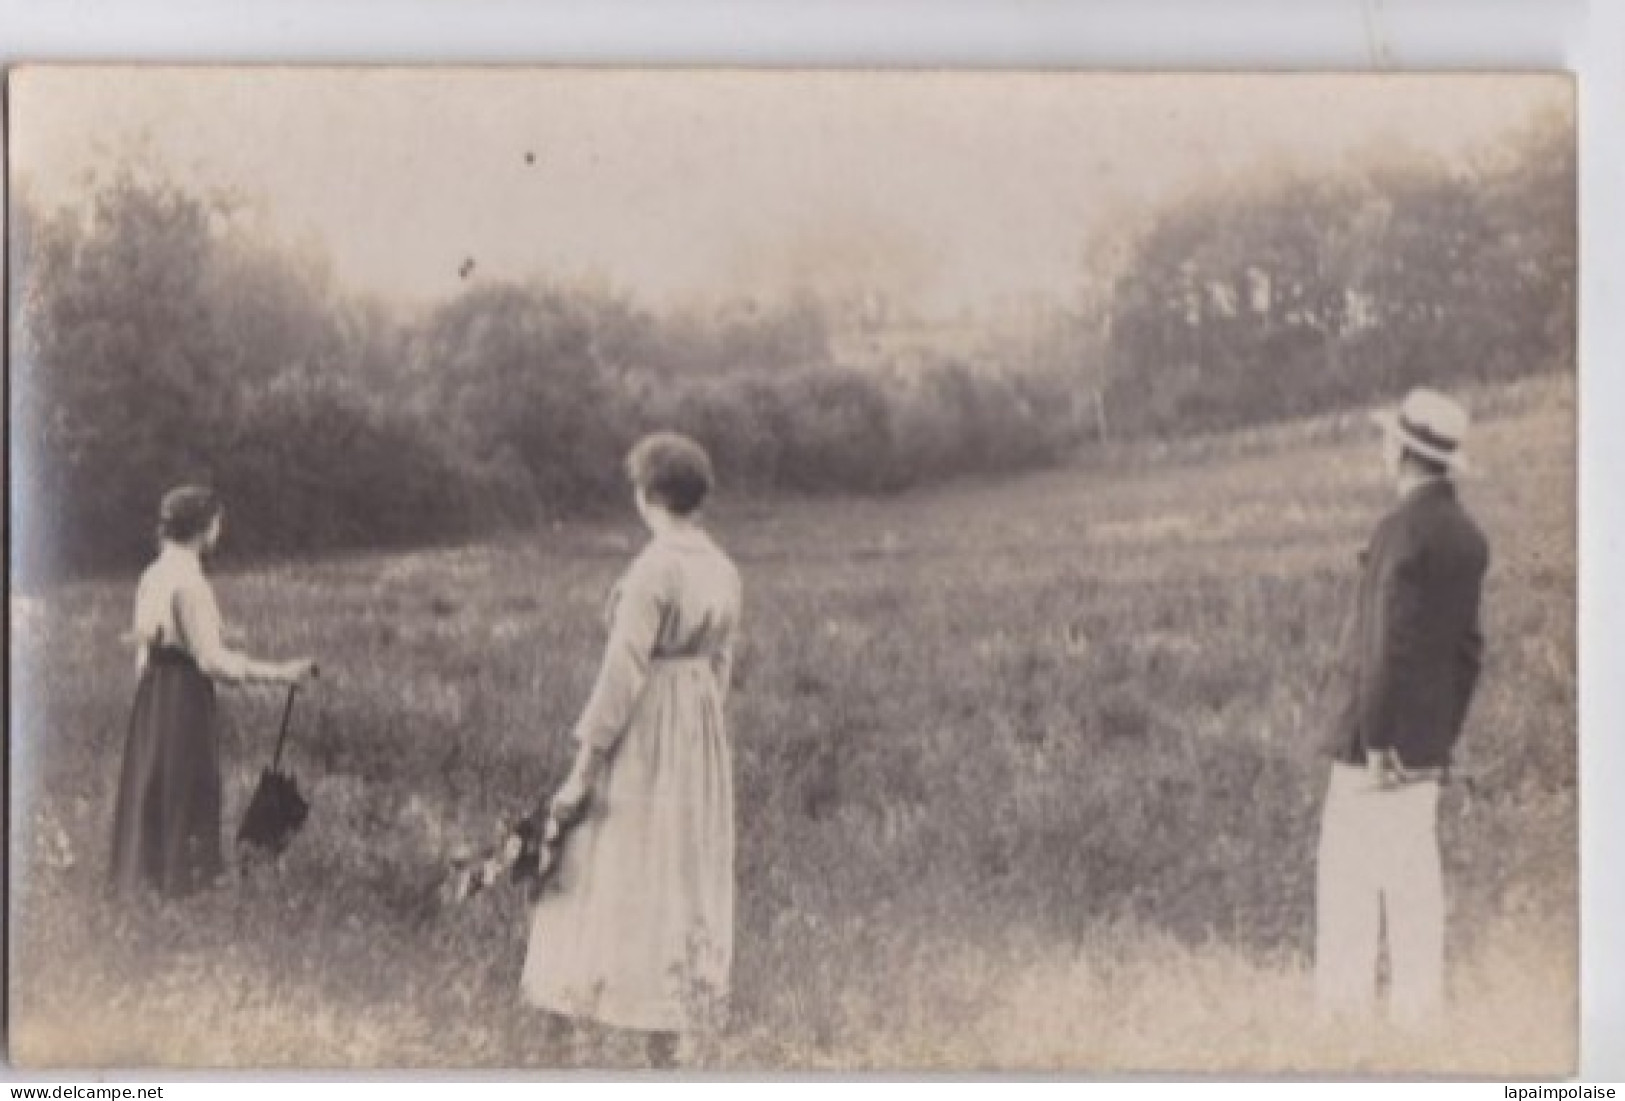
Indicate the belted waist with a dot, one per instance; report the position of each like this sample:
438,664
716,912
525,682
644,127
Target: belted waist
169,655
678,661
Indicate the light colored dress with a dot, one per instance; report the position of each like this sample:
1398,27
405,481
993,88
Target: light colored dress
638,931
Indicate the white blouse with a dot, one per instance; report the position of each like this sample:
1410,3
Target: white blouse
175,607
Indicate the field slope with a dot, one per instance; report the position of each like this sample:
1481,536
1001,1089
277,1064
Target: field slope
1025,769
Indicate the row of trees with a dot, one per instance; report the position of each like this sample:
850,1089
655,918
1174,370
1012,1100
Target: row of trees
157,343
155,339
1302,294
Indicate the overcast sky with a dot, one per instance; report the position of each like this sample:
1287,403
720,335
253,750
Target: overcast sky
944,190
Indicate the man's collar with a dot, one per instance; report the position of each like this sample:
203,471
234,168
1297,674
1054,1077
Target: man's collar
182,554
1413,487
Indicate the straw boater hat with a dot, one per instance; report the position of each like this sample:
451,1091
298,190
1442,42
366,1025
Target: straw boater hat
1429,424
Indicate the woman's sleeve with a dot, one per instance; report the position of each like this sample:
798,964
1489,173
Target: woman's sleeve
136,635
199,619
722,661
634,627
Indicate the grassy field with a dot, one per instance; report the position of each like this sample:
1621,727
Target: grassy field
1025,770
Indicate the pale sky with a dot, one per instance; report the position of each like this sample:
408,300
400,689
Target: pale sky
944,190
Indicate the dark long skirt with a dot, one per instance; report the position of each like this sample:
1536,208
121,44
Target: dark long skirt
166,828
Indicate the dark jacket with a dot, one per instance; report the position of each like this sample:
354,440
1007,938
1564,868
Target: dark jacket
1413,657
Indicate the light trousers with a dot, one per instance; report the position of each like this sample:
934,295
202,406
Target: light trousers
1379,868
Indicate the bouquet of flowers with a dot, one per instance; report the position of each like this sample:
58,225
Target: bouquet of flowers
527,853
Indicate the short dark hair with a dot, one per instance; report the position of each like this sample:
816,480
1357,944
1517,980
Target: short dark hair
672,470
186,512
1426,464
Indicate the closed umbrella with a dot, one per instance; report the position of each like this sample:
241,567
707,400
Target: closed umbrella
277,810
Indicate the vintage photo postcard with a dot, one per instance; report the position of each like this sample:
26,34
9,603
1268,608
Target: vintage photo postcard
794,571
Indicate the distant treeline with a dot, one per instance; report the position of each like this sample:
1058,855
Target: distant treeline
1306,294
155,339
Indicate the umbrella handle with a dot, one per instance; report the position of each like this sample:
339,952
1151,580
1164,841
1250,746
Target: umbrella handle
282,734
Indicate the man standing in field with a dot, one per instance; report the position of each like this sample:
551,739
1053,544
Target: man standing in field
1414,655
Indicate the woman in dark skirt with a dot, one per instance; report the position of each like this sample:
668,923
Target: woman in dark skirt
166,827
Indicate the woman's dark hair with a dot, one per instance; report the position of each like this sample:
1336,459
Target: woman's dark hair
672,470
1424,464
186,513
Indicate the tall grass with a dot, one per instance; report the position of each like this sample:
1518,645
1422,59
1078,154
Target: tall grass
1026,779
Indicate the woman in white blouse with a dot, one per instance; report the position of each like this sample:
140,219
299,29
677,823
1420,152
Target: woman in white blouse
639,934
166,826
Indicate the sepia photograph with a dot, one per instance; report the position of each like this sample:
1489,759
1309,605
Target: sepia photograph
738,571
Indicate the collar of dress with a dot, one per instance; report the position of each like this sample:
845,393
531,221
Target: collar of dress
688,535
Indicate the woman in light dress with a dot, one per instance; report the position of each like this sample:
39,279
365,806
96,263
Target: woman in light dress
166,824
638,933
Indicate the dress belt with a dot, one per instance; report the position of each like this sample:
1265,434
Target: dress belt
680,660
160,652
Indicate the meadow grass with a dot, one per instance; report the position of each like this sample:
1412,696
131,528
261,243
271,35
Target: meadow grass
1026,779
